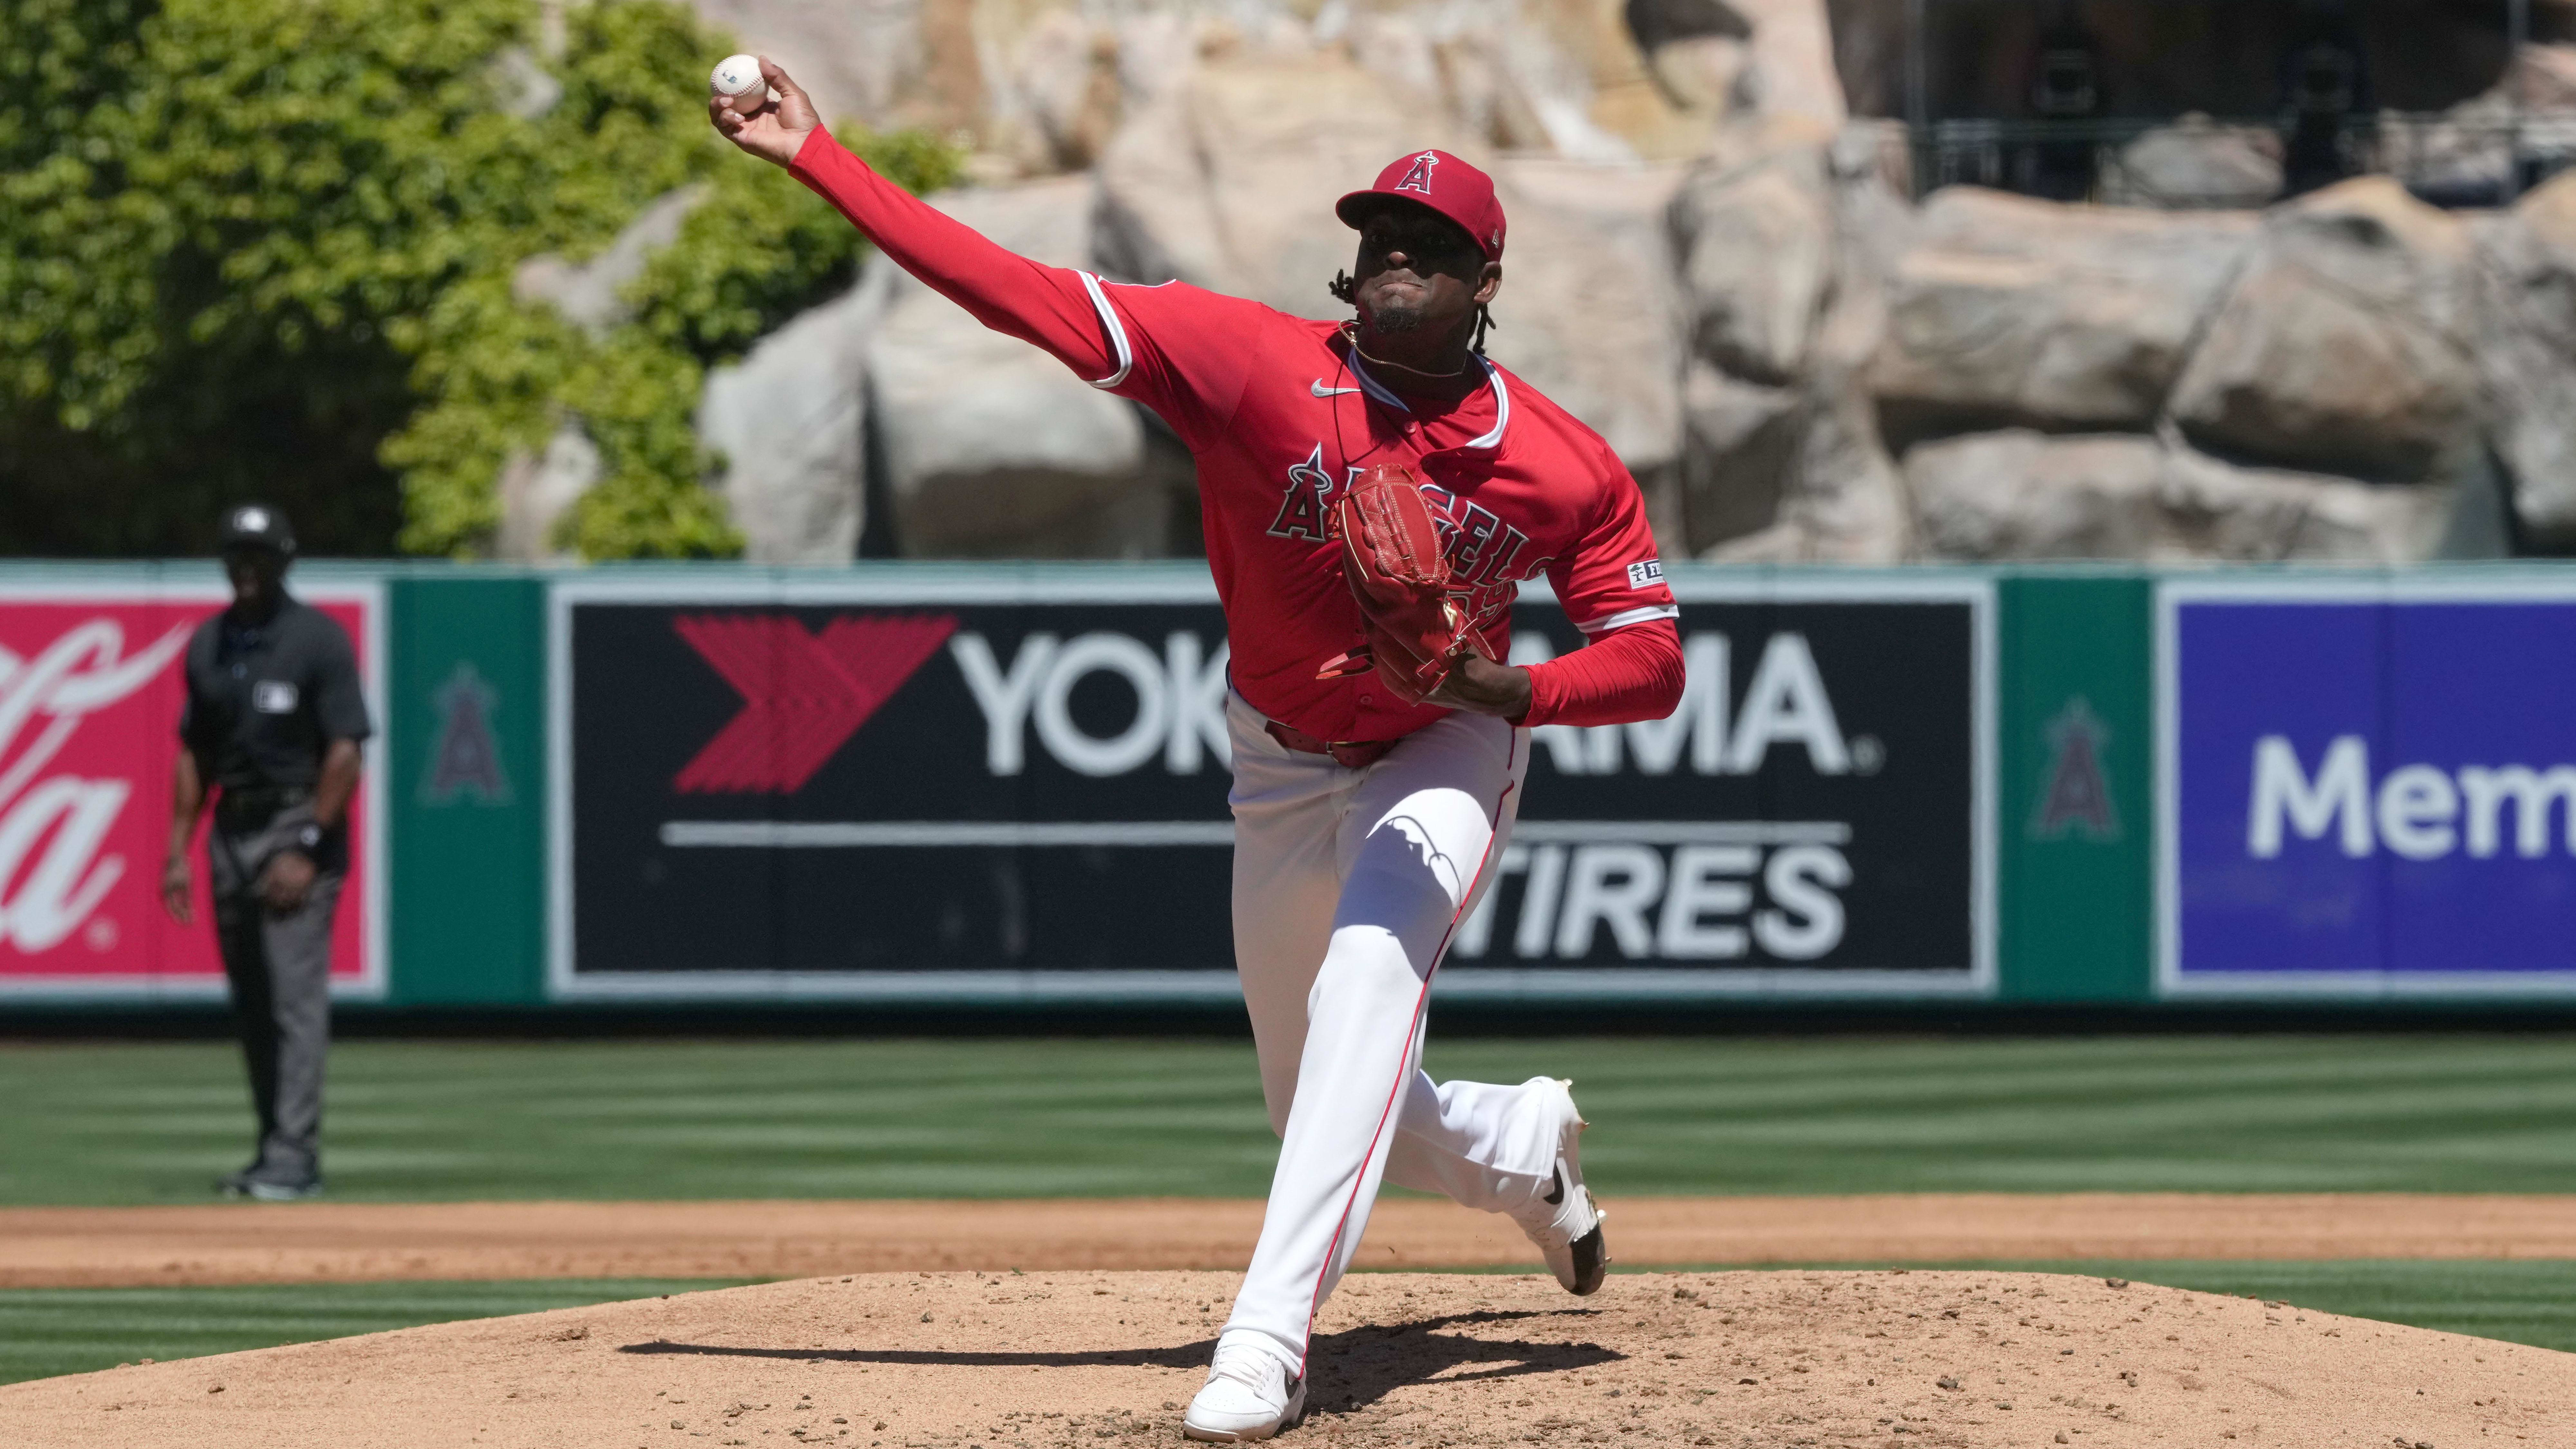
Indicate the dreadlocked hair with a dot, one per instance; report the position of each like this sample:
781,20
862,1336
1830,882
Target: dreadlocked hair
1347,292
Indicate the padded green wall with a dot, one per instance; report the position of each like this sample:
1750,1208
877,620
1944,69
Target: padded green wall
469,827
2076,879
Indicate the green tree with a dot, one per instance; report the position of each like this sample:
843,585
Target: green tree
264,248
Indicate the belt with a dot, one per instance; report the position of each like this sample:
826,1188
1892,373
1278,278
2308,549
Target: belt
252,806
1350,754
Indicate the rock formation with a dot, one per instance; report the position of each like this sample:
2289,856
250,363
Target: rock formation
2343,345
992,448
2526,353
791,421
1717,261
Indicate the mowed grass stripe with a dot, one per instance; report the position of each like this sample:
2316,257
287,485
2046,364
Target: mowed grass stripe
45,1332
430,1121
2525,1300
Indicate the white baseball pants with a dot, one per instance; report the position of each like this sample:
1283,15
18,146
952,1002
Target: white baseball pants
1347,887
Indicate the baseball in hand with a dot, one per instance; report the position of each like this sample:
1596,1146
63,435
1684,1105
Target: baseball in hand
738,76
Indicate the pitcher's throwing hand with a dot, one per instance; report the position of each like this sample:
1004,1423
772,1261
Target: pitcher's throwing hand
772,129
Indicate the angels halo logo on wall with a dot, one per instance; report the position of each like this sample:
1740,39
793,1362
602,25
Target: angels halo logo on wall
91,684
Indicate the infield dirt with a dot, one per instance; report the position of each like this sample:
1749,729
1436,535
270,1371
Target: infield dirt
1965,1360
351,1242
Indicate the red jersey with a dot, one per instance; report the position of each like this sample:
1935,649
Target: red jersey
1281,413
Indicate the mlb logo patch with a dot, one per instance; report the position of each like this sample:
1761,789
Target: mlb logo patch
1642,574
276,696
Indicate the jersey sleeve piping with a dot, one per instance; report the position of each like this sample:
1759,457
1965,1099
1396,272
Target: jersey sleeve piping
1626,617
1117,333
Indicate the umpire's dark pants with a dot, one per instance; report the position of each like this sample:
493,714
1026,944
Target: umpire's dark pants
279,966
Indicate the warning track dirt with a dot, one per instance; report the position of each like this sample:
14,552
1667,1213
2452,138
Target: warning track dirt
350,1242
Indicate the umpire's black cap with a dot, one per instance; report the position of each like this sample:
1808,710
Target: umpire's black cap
255,525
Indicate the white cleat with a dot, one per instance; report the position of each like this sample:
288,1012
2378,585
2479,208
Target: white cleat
1564,1221
1248,1398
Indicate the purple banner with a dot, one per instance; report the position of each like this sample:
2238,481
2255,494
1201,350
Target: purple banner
2369,789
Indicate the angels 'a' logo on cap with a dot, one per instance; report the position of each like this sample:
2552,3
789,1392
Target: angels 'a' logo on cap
1418,178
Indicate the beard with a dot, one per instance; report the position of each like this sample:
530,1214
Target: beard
1391,320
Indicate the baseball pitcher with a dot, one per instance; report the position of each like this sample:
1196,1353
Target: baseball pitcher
1374,493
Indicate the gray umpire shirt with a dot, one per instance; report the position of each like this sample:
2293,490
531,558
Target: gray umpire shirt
266,700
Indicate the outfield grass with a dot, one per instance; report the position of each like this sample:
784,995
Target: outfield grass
44,1332
49,1331
425,1121
2525,1301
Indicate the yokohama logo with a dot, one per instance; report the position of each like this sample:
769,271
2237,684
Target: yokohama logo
804,694
52,871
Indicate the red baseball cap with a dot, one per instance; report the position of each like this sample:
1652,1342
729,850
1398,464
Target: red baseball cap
1448,186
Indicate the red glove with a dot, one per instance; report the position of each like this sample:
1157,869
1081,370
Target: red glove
1414,632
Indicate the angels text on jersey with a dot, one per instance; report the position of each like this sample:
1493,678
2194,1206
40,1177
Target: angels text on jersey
1488,558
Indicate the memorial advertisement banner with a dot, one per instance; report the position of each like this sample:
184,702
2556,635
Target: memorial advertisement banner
945,786
91,684
2367,788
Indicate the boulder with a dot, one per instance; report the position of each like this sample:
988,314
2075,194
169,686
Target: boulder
1064,99
1158,50
521,84
2195,162
791,422
2342,348
2544,77
991,448
2226,512
1486,89
587,293
2461,156
1842,501
537,491
2020,494
1741,443
858,60
1590,83
1779,423
2527,356
1229,179
1704,75
1847,500
1656,24
2012,310
1589,314
1791,65
1755,241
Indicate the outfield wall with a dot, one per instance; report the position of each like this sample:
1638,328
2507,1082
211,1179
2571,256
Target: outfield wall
953,784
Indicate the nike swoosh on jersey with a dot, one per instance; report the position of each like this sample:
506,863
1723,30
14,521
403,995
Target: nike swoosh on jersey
1318,388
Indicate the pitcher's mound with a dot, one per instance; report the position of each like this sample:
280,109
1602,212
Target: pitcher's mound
1875,1359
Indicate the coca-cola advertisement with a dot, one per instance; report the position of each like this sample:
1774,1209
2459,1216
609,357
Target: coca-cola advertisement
91,683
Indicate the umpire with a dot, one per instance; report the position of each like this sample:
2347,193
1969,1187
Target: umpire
273,723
